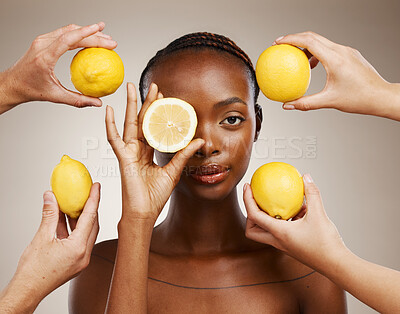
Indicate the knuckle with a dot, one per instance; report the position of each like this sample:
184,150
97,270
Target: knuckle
310,33
313,190
250,215
71,27
78,103
64,39
48,212
36,43
85,262
305,106
80,252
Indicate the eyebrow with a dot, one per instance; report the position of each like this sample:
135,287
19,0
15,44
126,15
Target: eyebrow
229,101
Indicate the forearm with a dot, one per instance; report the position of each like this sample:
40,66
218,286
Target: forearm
374,285
9,95
128,291
20,296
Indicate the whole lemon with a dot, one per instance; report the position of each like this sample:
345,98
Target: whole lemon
71,183
97,72
278,189
283,73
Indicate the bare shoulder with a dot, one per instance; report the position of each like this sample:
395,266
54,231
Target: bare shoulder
88,291
316,293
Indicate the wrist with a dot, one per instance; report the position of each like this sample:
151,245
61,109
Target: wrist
20,296
9,92
135,225
387,100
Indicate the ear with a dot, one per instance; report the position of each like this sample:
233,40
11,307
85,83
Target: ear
259,119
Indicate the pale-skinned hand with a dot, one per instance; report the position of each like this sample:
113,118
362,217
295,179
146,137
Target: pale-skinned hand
54,256
352,84
310,237
32,77
146,186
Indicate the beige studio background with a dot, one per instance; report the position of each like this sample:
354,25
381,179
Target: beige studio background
354,159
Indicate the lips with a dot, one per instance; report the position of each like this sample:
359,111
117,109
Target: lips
209,174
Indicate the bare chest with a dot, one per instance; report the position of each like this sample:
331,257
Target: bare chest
218,286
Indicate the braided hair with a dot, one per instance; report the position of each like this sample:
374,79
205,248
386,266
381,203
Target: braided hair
201,40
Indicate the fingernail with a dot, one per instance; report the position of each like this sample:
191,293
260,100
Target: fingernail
47,198
289,107
307,178
245,187
93,26
279,38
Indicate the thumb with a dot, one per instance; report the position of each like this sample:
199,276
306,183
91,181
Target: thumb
313,196
78,100
311,102
50,213
175,166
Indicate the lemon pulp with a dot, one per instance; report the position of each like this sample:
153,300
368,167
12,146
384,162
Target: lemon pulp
169,124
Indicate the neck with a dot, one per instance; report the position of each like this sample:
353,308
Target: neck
202,227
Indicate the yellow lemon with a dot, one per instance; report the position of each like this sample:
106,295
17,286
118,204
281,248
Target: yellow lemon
71,183
169,124
97,72
283,73
278,189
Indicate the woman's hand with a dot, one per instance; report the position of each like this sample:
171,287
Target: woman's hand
310,237
32,77
54,256
352,84
146,187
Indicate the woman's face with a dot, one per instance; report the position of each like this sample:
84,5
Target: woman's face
216,84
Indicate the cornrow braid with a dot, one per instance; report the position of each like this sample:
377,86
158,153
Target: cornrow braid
201,40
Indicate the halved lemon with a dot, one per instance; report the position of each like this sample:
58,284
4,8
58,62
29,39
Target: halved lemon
169,124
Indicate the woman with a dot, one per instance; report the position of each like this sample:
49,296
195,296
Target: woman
199,259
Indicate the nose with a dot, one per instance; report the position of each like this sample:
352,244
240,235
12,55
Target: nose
211,146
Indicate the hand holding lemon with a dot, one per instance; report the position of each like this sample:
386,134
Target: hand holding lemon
32,77
146,186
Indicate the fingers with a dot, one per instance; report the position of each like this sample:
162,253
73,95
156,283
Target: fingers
131,115
77,100
313,62
89,217
311,102
318,45
255,214
175,166
151,96
72,223
301,213
97,41
255,233
50,211
65,29
112,133
62,231
70,39
313,196
92,238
